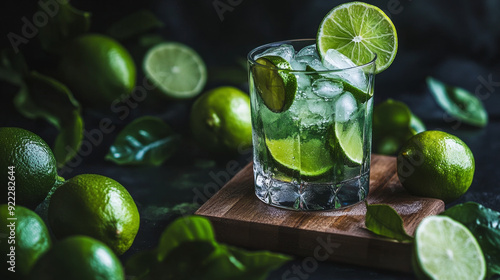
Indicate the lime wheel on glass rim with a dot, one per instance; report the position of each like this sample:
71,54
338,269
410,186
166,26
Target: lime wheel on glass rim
359,30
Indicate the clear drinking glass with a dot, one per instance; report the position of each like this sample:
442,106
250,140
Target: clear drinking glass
315,153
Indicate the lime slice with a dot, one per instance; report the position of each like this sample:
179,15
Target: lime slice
445,249
360,95
310,157
176,69
277,87
358,30
349,141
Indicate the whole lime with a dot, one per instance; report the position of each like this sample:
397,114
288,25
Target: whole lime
28,167
27,234
436,164
97,69
96,206
78,258
220,120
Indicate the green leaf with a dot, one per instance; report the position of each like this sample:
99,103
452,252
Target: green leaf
185,229
188,250
140,264
393,125
12,66
484,224
134,24
63,25
383,220
459,103
145,141
44,97
258,264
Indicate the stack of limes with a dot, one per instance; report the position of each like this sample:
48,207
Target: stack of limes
92,205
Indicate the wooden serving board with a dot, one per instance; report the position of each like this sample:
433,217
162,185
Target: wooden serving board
240,218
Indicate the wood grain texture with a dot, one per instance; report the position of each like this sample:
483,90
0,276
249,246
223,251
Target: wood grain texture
240,218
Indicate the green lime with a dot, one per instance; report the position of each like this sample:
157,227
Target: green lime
275,84
31,238
349,142
436,164
96,206
358,30
445,249
176,69
393,125
97,69
28,165
310,157
220,120
78,258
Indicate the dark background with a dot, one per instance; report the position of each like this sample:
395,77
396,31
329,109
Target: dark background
454,41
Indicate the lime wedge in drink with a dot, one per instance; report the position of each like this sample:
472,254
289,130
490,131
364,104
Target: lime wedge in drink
276,87
445,249
175,69
348,141
310,157
358,30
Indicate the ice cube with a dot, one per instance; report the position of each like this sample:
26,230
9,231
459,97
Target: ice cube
297,65
334,60
306,59
327,88
309,50
285,51
303,81
345,106
317,65
323,109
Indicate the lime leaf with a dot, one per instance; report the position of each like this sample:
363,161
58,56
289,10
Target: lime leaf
134,24
188,250
383,220
416,124
393,124
485,226
258,263
140,264
184,229
12,66
145,141
45,97
459,103
63,25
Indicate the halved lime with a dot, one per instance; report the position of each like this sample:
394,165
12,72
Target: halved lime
176,69
349,141
445,249
310,157
358,30
277,87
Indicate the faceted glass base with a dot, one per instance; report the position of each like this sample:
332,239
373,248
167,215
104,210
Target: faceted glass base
311,196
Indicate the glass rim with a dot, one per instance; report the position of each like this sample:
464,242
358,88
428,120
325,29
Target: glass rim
252,61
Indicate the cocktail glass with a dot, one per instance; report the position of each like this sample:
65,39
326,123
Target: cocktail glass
312,126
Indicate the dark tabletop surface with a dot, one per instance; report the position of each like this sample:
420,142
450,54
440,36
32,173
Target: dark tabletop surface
454,41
